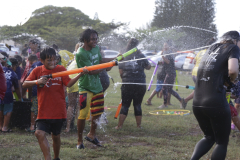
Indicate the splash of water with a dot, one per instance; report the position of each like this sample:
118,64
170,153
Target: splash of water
102,121
166,54
152,84
177,27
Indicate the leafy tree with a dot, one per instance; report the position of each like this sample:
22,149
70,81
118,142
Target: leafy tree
188,13
60,25
64,37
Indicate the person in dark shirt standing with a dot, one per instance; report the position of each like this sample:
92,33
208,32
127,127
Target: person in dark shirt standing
169,67
210,107
133,72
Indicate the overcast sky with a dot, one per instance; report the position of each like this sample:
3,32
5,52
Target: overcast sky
137,12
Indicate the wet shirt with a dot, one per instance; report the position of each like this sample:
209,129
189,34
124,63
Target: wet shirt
51,97
3,84
169,68
34,88
161,74
133,71
12,80
84,58
212,73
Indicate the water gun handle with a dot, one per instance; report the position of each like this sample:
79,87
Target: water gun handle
47,76
190,87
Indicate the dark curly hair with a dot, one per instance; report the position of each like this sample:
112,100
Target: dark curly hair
85,36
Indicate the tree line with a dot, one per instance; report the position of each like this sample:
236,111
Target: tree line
63,25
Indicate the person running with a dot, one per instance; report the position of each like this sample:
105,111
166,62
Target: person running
91,97
132,72
210,106
51,101
169,67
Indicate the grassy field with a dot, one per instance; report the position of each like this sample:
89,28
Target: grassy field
161,137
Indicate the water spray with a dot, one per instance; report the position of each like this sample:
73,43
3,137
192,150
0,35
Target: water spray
166,54
187,86
154,73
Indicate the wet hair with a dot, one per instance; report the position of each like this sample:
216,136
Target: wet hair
85,36
19,58
4,54
132,44
14,61
47,52
55,46
230,37
32,58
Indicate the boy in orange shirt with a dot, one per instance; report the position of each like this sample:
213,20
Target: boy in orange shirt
51,101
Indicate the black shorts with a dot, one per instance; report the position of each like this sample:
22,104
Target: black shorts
53,126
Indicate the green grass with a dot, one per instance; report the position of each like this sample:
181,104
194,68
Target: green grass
161,137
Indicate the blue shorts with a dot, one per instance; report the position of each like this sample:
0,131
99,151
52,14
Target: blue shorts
6,108
159,87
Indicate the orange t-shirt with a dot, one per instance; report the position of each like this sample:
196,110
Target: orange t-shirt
51,98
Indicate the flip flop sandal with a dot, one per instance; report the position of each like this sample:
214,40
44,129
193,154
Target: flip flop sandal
81,146
148,104
7,131
94,141
29,130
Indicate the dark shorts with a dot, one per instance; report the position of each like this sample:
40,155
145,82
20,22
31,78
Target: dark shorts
53,126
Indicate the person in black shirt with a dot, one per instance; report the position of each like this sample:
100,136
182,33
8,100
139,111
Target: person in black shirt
169,67
210,107
133,72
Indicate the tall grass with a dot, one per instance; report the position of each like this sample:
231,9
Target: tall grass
161,137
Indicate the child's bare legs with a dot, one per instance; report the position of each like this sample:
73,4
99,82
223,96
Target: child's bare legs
237,106
33,119
151,96
1,120
168,99
80,126
6,121
122,118
56,145
236,121
43,143
70,112
69,117
92,132
189,97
